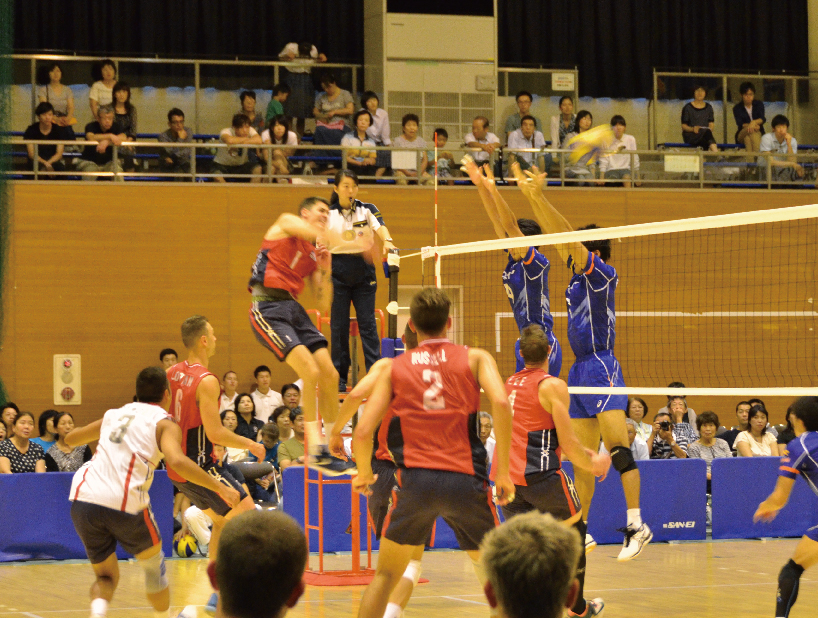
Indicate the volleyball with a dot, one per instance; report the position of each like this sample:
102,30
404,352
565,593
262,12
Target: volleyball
186,546
594,140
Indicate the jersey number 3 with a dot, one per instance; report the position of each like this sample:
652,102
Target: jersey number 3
432,396
118,432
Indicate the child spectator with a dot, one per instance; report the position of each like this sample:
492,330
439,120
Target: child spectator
564,123
783,164
617,166
175,159
125,115
299,104
527,136
408,160
236,159
264,488
698,122
360,160
276,105
278,132
378,131
482,139
514,121
446,167
49,158
102,91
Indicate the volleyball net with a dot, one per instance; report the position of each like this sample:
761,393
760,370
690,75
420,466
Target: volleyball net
724,303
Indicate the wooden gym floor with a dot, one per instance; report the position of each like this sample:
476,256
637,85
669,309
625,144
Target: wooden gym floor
707,579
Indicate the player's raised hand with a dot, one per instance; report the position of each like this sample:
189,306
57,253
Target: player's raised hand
322,256
258,450
505,489
362,483
536,178
229,495
470,168
522,181
489,174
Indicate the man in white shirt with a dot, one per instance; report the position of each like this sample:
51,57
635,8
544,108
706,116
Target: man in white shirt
265,398
481,138
617,166
236,160
783,164
527,136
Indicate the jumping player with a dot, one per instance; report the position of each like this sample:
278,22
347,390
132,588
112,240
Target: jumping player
591,333
525,277
433,396
109,494
384,468
195,406
541,429
801,457
290,254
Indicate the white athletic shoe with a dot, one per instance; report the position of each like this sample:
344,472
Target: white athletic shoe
594,607
635,541
188,612
590,543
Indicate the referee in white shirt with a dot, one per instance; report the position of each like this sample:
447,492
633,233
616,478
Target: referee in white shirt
353,276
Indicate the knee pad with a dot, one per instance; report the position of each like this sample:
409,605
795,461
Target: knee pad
788,581
156,579
413,571
622,459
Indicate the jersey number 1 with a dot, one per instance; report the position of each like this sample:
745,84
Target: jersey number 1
432,396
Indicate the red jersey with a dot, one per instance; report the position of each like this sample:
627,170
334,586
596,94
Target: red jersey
284,264
435,403
184,380
535,451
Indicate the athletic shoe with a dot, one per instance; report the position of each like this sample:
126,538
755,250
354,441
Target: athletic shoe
590,543
635,541
593,607
203,549
188,612
212,602
330,466
342,386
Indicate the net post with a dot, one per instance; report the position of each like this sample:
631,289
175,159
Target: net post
391,269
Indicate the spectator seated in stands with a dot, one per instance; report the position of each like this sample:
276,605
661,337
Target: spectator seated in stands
515,121
486,427
281,417
379,132
61,457
291,395
265,398
698,121
227,400
756,441
8,414
49,158
664,441
637,410
584,170
2,431
248,108
783,146
102,91
59,95
125,116
18,454
291,452
482,139
750,119
278,132
276,105
247,424
447,169
690,414
527,136
265,488
708,446
236,159
47,432
786,436
637,444
742,416
564,123
230,420
617,165
359,159
108,133
405,164
677,407
176,159
333,111
168,357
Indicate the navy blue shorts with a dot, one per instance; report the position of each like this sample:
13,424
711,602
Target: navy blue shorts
554,356
554,494
599,369
207,499
381,498
281,325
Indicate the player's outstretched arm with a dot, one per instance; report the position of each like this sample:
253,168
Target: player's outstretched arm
373,414
503,210
553,395
291,225
207,396
169,438
476,176
776,501
352,402
84,435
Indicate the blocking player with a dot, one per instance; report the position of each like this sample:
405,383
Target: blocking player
541,429
195,406
291,253
384,468
109,493
433,396
801,457
525,277
591,333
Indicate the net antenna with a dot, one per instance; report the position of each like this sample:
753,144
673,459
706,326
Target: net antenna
438,283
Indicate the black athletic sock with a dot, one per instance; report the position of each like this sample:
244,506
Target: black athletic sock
580,604
788,581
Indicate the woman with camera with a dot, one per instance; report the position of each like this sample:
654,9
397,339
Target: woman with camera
666,441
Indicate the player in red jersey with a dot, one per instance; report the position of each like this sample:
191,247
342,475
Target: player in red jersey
291,254
541,430
433,396
195,406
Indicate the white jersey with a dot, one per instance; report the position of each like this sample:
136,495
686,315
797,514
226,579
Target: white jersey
121,471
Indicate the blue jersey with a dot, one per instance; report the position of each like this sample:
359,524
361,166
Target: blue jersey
590,300
801,457
526,283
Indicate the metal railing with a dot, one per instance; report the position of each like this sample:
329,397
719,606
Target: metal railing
563,81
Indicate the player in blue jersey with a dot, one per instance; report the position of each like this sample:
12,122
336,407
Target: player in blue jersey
801,457
591,333
525,277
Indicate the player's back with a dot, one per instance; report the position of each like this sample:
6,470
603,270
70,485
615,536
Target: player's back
121,471
435,403
802,456
534,444
590,299
184,380
283,264
526,284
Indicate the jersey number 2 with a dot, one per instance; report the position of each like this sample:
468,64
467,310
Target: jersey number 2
432,396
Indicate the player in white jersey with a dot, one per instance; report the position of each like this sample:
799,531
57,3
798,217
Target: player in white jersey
109,494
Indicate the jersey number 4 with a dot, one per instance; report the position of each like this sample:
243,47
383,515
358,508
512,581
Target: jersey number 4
432,396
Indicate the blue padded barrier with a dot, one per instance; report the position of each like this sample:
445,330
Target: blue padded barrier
36,516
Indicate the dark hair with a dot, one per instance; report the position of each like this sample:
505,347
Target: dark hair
239,120
660,413
369,95
806,409
580,115
151,384
707,417
229,371
410,337
96,69
339,176
261,368
745,86
640,400
618,119
287,387
279,88
167,351
699,87
247,93
43,77
295,413
780,119
523,93
563,97
223,415
603,246
43,420
119,87
529,227
484,120
755,411
193,328
409,118
442,132
270,430
788,418
358,114
20,415
305,48
284,121
327,79
175,112
310,202
429,310
528,117
278,412
43,108
757,401
534,345
743,403
58,417
10,404
238,399
262,551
